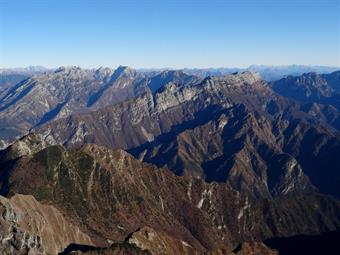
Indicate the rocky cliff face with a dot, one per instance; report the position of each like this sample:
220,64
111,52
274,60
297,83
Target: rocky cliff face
28,227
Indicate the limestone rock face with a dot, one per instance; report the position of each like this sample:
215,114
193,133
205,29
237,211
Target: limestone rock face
28,227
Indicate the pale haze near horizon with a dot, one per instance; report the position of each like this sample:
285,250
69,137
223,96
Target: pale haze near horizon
174,34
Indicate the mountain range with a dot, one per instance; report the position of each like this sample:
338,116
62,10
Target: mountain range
56,93
125,161
11,76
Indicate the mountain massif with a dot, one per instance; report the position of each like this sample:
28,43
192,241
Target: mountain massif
127,162
234,129
67,90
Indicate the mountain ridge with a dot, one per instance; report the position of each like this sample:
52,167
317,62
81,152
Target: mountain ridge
119,189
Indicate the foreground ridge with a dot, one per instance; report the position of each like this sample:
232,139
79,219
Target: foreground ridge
108,194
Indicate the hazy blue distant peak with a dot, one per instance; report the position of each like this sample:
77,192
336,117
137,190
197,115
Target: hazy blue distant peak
268,73
271,73
292,67
24,70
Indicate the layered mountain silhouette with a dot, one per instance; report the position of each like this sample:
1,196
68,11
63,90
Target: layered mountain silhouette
167,162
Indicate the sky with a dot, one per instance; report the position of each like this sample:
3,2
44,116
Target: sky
169,33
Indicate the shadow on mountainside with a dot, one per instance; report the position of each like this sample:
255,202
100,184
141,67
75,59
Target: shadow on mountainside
327,243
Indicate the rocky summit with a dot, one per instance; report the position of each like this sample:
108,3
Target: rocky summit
105,161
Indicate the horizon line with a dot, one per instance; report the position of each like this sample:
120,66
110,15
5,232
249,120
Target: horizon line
169,67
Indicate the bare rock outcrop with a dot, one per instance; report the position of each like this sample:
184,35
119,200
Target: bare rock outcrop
28,227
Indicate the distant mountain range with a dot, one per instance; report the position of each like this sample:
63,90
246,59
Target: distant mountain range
213,161
268,73
12,76
24,70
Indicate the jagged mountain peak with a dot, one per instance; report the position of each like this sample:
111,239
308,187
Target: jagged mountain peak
64,73
102,69
26,145
103,73
309,87
248,76
164,78
235,79
124,71
173,72
308,75
68,69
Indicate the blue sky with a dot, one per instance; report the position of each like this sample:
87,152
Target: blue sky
169,33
